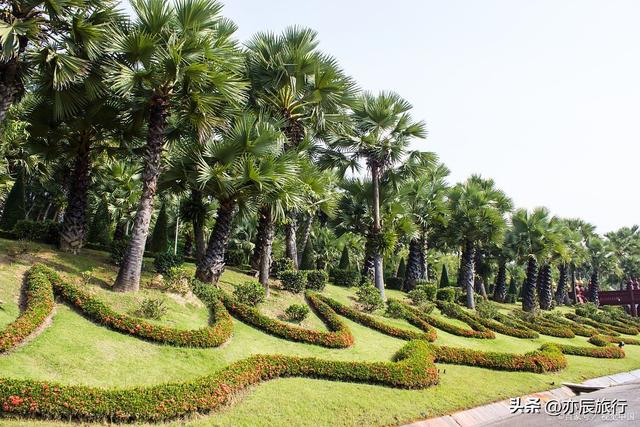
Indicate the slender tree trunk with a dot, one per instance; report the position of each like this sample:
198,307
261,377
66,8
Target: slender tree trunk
594,289
10,86
264,220
74,227
304,236
128,279
546,295
424,268
561,292
573,284
414,265
265,254
198,225
46,212
478,280
529,287
378,269
500,291
468,271
211,266
290,240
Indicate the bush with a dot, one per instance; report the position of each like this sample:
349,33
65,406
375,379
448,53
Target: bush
296,313
317,279
293,281
234,257
486,309
395,310
423,293
345,262
308,259
178,281
393,283
250,292
346,278
368,297
159,242
45,232
152,308
166,261
279,265
118,249
511,299
14,209
446,294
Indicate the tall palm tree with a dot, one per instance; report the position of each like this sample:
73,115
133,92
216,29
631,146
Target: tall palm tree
477,214
177,61
294,82
382,131
247,167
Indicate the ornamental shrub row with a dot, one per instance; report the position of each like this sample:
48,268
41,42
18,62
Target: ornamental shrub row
39,305
373,323
91,307
446,294
508,326
38,231
548,358
603,340
448,327
413,369
452,310
608,352
339,335
346,278
545,326
606,329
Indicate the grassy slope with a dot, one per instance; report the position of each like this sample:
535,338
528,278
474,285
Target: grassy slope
73,350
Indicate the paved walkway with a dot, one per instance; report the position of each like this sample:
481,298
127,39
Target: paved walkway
499,413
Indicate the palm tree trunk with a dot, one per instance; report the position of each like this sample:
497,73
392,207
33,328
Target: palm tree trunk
594,289
573,284
546,295
500,291
562,285
198,225
378,272
468,271
529,288
306,232
128,279
265,254
211,266
74,226
290,239
9,86
414,265
424,267
261,231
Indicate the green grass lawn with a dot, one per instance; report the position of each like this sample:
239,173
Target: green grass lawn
73,350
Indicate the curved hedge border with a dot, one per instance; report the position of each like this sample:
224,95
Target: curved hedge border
429,333
589,322
549,358
547,327
452,310
608,352
508,326
604,340
577,328
413,369
91,307
444,326
339,335
604,326
39,305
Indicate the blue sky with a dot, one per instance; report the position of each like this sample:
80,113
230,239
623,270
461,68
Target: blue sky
543,96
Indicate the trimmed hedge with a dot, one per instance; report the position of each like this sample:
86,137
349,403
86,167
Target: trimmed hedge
507,326
448,327
603,340
413,369
452,310
39,303
546,326
347,278
590,322
373,323
293,281
339,335
446,294
317,279
548,358
627,330
608,352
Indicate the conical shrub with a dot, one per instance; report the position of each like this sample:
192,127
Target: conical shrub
14,209
160,238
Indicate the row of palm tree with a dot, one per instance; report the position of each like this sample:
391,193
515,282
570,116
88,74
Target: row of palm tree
247,142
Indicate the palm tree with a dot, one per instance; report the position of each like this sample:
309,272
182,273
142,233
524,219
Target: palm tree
297,84
477,214
172,61
626,245
247,167
382,131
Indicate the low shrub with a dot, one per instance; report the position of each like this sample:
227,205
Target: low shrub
373,323
608,352
21,247
369,298
38,231
486,309
166,261
508,326
395,310
281,264
511,298
423,293
346,278
339,335
234,257
117,250
250,292
454,311
293,281
39,305
317,279
448,327
152,308
446,294
394,283
296,313
178,280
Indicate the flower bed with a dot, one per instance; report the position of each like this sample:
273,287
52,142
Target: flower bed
338,337
447,327
373,323
39,305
